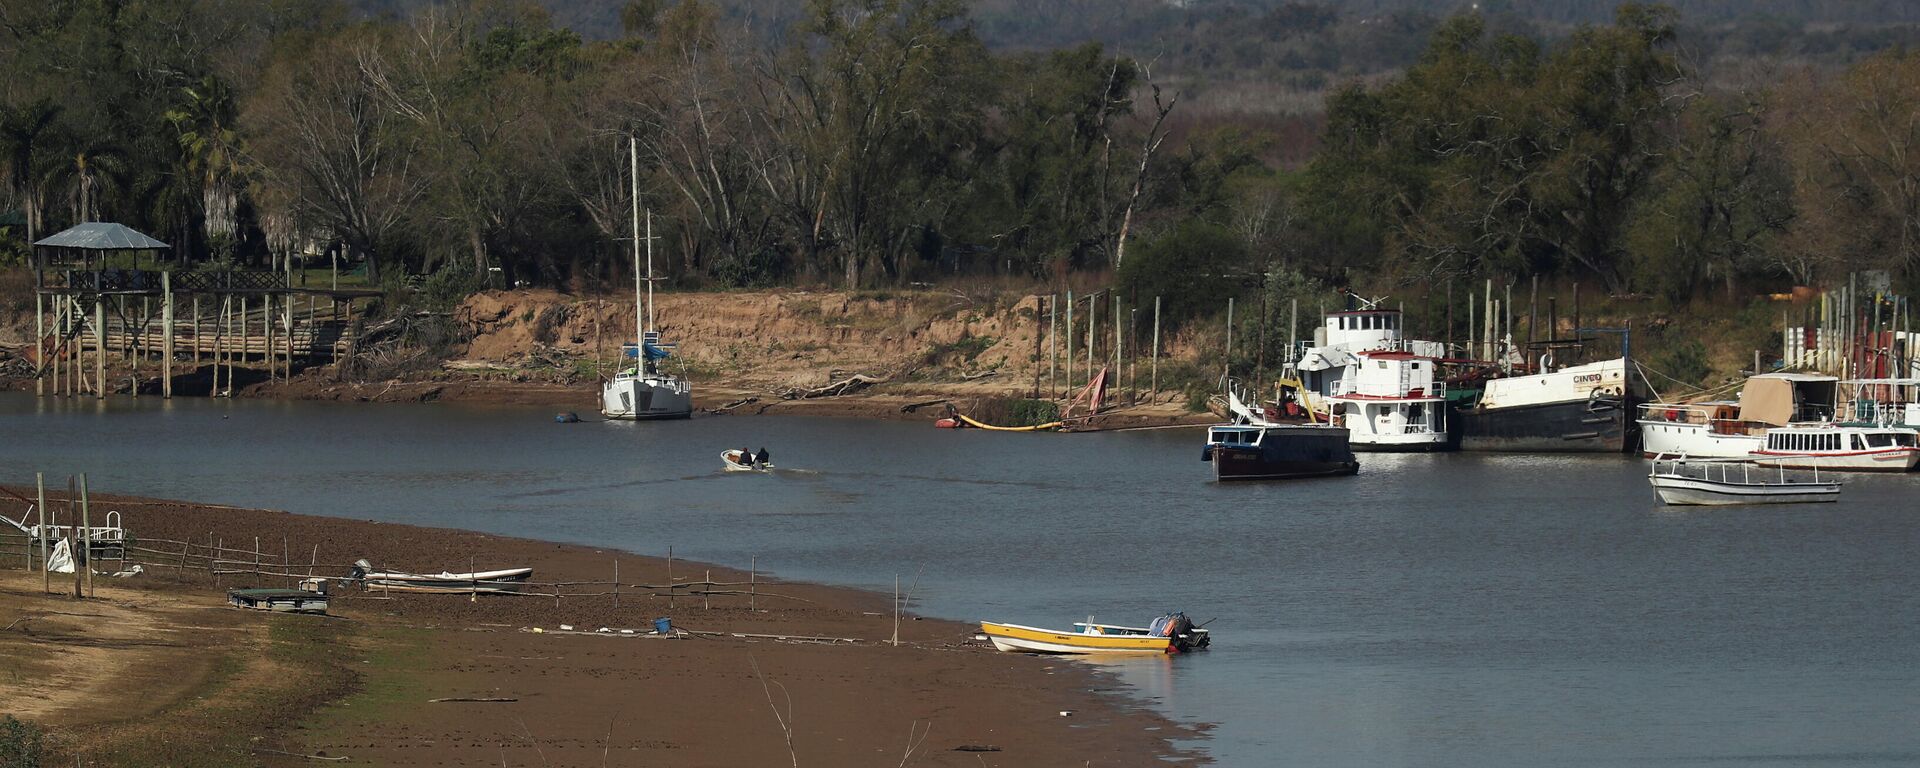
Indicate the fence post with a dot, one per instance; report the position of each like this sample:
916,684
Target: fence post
85,561
46,574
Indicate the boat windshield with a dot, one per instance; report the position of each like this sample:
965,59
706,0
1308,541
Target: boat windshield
1890,439
1234,436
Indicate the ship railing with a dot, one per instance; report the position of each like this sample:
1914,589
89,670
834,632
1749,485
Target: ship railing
1347,388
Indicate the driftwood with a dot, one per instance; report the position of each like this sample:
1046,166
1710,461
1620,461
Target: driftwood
846,386
911,407
728,408
339,759
478,700
978,376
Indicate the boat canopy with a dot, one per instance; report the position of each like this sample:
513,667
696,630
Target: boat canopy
1323,358
1783,398
653,352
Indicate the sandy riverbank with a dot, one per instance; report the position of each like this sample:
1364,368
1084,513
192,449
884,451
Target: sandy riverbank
577,699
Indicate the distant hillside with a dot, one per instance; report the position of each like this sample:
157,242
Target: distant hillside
1053,23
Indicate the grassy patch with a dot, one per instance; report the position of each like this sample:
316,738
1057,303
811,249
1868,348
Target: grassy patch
387,686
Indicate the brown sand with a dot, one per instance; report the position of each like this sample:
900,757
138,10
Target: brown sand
707,700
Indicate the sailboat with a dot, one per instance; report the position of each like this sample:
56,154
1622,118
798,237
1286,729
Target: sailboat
645,391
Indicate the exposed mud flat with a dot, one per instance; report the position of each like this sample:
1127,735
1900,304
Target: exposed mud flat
584,697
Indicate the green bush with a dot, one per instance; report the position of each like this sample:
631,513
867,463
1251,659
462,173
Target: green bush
22,745
1028,413
1685,361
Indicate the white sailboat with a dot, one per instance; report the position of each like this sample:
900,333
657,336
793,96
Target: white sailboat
645,391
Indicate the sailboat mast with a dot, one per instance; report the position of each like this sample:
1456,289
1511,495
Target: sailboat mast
639,311
650,270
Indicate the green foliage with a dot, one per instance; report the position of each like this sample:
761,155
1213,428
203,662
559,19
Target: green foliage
22,745
1685,361
1030,413
1491,156
1192,267
1717,206
447,287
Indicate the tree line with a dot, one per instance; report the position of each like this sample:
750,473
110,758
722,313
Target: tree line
876,143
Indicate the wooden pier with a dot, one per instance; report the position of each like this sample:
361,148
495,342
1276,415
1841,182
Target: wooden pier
95,297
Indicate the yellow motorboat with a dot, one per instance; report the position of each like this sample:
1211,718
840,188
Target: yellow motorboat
1172,633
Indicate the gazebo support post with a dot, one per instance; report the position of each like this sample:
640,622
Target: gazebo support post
166,335
39,345
99,349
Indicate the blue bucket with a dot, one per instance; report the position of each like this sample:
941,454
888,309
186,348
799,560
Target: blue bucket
663,626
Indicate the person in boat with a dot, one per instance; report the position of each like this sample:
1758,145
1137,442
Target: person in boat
761,457
746,458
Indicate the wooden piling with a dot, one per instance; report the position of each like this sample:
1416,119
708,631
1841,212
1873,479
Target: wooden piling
1226,362
1153,374
616,583
753,583
1053,344
166,335
670,584
1069,342
99,349
46,574
83,561
39,364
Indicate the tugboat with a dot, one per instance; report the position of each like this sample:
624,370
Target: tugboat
1253,448
1385,389
645,391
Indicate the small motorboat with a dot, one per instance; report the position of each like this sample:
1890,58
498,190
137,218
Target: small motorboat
503,580
1172,633
1681,482
740,461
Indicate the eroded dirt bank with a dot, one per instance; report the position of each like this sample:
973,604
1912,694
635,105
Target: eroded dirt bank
760,352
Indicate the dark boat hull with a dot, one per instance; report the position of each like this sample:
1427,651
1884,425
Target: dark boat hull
1586,426
1299,459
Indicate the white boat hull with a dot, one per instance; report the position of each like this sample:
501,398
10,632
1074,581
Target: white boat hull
1695,441
1885,460
649,398
1690,491
508,580
1419,441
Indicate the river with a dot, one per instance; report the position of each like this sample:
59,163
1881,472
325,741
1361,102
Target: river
1445,610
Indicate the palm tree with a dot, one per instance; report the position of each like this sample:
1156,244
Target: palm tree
26,131
204,123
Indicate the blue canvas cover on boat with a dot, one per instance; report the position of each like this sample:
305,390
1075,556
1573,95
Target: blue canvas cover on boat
653,352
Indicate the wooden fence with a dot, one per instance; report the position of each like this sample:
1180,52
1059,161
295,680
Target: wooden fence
215,561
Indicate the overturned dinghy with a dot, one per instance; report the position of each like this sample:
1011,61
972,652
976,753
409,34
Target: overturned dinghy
1172,633
504,580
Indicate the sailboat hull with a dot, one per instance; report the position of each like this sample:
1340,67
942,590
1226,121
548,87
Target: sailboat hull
646,400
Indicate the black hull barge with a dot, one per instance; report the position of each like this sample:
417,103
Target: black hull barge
1278,452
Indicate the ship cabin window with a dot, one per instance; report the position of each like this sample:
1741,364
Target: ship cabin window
1381,363
1857,445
